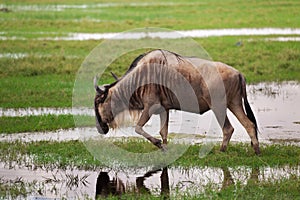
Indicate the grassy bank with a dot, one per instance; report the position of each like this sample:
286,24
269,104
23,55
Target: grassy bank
75,154
35,123
43,123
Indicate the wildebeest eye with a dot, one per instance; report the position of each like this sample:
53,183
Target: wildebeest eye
100,98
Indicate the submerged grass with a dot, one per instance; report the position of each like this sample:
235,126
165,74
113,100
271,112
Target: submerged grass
75,153
281,189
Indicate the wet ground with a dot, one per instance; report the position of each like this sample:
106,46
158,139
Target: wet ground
196,33
78,184
275,106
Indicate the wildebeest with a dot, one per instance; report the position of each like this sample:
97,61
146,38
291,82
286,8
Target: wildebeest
160,80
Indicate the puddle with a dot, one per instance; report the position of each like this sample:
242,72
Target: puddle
19,112
277,39
273,103
200,33
24,55
63,7
79,184
13,55
58,136
182,34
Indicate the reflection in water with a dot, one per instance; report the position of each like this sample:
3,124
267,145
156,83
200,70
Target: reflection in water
227,178
167,183
105,186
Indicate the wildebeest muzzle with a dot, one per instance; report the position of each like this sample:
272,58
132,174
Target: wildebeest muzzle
100,97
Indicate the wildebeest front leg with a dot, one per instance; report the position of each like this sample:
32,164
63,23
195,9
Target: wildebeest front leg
139,128
164,120
227,133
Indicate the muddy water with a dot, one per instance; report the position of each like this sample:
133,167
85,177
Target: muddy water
79,184
275,106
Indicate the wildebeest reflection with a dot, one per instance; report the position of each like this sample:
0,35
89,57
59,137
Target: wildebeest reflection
106,187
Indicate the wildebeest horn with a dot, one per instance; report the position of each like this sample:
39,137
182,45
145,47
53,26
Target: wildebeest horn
115,76
96,86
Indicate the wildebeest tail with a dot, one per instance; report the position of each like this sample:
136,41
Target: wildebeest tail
248,109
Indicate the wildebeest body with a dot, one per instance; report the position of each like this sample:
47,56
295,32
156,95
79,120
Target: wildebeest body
161,80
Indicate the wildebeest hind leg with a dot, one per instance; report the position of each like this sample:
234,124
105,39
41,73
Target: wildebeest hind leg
238,111
139,128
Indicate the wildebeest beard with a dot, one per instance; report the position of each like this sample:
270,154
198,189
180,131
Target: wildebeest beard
101,127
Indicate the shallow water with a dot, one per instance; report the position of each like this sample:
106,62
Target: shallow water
182,34
63,7
197,33
13,55
78,184
19,112
275,106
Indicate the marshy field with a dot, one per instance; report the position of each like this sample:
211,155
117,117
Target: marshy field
46,144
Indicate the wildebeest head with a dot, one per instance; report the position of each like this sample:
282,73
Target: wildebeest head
101,96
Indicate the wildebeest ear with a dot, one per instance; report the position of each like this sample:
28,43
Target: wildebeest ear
98,90
101,89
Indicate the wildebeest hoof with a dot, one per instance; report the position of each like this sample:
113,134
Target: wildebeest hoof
222,150
157,143
257,151
164,148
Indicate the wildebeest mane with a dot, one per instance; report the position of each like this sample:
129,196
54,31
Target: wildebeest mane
137,59
134,63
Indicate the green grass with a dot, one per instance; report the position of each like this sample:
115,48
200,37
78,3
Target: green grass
35,123
43,123
48,48
36,91
282,189
38,81
74,153
258,60
179,15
